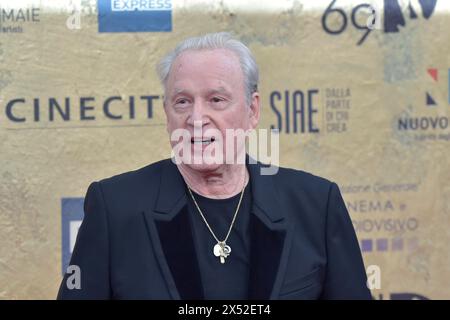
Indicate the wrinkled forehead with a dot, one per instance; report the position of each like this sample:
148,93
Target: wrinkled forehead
207,62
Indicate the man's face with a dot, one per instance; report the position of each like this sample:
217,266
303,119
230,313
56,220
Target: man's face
205,93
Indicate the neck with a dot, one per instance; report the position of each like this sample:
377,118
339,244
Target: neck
224,182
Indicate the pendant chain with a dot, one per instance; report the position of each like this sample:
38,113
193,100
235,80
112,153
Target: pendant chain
206,222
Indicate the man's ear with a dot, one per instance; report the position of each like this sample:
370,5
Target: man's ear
255,110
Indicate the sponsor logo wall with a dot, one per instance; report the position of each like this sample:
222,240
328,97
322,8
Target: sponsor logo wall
364,104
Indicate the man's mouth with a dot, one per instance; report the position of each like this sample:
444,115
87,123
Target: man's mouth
203,141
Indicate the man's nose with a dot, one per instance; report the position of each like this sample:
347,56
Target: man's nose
198,114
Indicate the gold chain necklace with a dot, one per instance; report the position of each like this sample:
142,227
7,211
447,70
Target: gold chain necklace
221,249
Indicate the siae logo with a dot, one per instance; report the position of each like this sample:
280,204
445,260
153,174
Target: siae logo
366,17
296,111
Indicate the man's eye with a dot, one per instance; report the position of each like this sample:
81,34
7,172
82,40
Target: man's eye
181,101
216,99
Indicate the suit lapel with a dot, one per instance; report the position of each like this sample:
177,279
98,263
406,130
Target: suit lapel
172,238
179,251
271,238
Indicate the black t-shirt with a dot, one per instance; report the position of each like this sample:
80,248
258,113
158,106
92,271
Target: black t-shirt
228,280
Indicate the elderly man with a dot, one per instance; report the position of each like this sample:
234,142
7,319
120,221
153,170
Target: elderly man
214,229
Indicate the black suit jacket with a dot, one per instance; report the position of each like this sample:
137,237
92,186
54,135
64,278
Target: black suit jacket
136,242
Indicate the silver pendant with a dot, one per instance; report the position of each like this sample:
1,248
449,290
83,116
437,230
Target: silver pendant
222,251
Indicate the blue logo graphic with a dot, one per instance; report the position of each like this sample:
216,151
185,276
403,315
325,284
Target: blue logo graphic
72,216
385,244
134,15
394,15
433,72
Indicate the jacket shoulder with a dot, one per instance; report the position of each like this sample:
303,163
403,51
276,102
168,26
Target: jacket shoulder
132,191
136,187
150,171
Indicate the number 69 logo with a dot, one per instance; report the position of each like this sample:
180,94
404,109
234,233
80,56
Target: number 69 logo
372,22
394,16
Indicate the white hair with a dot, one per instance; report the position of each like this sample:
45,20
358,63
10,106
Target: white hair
211,41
